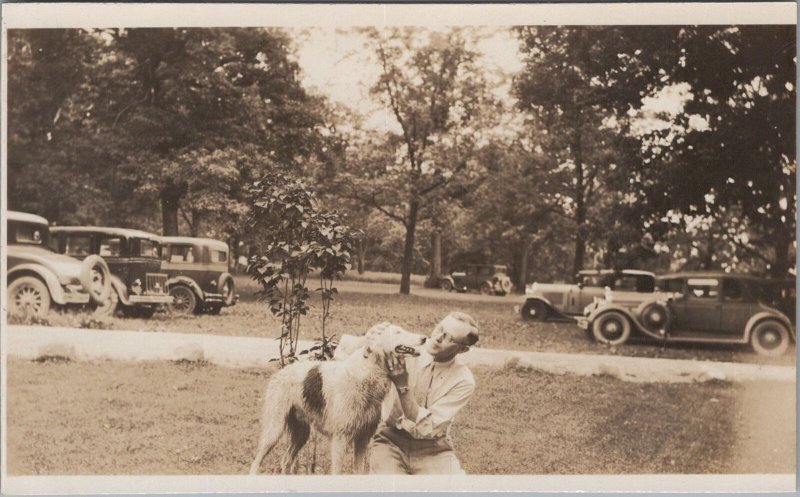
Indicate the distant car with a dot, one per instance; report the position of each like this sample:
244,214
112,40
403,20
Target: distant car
489,279
566,300
197,271
39,278
133,256
709,307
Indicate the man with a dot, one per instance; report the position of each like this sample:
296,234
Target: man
414,437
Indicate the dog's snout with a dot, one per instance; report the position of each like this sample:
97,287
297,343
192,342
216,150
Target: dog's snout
424,339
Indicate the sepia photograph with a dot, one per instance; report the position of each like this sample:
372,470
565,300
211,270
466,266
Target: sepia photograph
270,248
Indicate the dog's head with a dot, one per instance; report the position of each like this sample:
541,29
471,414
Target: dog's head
387,338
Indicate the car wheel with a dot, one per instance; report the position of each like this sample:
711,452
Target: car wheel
505,286
769,338
28,296
109,306
534,310
611,328
183,300
656,317
486,288
446,285
96,278
228,290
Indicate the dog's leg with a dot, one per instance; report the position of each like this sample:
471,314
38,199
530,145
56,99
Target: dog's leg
299,430
338,450
360,449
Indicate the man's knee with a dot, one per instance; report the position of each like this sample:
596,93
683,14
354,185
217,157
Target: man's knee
386,459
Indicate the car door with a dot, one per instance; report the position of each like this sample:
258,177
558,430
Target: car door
737,307
701,306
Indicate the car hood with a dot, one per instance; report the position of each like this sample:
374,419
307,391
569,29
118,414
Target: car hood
68,269
542,288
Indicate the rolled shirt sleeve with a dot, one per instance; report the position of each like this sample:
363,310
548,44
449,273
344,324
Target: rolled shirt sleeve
433,421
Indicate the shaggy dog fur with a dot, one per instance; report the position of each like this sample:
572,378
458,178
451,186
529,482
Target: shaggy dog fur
341,399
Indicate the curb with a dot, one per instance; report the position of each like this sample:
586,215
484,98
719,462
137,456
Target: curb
30,342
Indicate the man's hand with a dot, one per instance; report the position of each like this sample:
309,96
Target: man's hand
397,370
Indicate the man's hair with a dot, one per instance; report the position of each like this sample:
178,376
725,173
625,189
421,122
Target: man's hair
472,336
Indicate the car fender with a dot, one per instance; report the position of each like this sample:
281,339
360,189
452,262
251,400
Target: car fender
50,279
760,316
637,326
221,280
185,280
546,302
122,291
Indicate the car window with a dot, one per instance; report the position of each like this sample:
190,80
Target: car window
485,271
592,280
79,245
181,253
732,290
703,288
148,248
110,247
27,233
219,256
674,285
625,283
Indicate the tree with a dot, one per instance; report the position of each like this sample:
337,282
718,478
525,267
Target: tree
731,151
430,84
577,87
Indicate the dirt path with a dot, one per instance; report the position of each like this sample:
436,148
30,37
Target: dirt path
766,438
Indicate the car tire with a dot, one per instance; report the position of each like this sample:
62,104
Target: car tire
769,338
655,317
486,288
228,290
611,328
96,278
28,294
534,310
446,285
109,306
184,302
505,286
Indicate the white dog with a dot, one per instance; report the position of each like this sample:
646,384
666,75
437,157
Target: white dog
341,399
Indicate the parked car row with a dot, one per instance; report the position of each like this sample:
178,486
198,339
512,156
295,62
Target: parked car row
489,279
707,307
113,269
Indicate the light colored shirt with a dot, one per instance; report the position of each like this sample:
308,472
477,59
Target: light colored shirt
440,388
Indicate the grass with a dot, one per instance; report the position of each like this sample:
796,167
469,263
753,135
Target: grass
195,418
361,305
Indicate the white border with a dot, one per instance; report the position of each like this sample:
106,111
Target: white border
305,15
342,15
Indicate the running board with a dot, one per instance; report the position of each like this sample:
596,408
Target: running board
703,339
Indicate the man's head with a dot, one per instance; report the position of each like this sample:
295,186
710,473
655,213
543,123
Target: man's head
452,336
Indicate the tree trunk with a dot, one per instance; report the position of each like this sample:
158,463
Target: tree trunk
780,269
196,219
580,209
408,251
362,255
171,196
436,258
522,276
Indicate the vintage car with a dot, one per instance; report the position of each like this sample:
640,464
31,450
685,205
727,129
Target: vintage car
197,271
39,278
133,257
710,307
489,279
565,300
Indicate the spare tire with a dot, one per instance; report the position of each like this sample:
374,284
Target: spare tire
227,289
655,317
505,285
96,278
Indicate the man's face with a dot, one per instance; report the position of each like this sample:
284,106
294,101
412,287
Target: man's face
448,339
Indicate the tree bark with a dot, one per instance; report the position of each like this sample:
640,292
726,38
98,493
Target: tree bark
780,269
408,251
522,276
580,208
436,258
171,196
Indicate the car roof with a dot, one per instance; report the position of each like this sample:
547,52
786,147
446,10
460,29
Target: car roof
126,232
25,217
635,272
189,240
708,274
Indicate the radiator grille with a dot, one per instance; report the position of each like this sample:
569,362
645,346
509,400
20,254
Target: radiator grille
155,284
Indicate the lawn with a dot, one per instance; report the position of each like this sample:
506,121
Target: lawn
361,304
195,418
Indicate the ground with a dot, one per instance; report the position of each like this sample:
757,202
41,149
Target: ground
195,418
361,304
108,417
